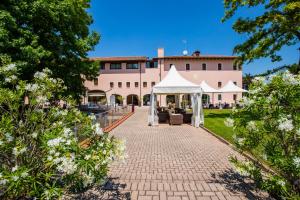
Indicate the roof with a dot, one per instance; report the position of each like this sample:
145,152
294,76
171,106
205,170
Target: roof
174,83
231,87
120,58
198,57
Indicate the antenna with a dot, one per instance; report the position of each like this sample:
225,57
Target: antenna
185,51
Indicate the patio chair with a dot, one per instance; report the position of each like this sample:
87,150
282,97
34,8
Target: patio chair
163,117
175,119
187,118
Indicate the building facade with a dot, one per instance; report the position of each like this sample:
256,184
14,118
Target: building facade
130,79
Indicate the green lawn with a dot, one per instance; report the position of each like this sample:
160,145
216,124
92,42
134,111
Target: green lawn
214,121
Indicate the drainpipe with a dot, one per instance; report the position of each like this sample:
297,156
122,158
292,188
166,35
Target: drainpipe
140,85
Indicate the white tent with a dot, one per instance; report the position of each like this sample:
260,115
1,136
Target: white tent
207,88
230,87
174,83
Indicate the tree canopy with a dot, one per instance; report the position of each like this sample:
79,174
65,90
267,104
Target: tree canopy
51,34
278,26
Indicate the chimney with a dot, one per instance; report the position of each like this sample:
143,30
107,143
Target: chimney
160,52
196,53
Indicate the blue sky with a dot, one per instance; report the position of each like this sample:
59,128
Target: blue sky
139,27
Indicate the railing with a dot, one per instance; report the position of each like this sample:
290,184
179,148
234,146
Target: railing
107,118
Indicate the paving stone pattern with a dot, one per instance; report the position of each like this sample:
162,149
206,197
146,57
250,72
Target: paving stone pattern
176,163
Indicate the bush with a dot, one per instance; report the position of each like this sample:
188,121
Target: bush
39,148
268,126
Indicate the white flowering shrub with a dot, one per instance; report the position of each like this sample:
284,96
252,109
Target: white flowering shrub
40,155
268,126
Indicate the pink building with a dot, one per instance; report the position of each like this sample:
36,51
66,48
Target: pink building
130,79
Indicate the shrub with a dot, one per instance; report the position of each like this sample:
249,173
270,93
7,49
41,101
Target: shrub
268,126
39,148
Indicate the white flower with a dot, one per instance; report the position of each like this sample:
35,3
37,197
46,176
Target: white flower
290,78
92,117
285,124
67,132
297,161
98,129
31,87
259,79
24,174
34,135
67,165
247,102
3,181
15,168
15,178
54,142
41,99
1,142
104,151
242,172
229,122
251,126
10,67
56,154
52,151
281,182
17,152
87,157
50,158
68,142
87,179
7,79
40,75
240,141
9,138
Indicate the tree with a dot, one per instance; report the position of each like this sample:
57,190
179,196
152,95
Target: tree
54,34
278,26
39,145
268,126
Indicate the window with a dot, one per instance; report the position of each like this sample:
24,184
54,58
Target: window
234,97
219,97
115,66
136,84
187,67
119,84
234,67
219,66
111,84
234,83
95,81
171,65
151,64
102,66
152,83
128,84
203,66
219,84
132,65
144,84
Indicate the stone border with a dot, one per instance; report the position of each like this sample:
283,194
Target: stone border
247,155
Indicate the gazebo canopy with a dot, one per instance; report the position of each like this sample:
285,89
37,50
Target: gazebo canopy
174,83
231,87
207,89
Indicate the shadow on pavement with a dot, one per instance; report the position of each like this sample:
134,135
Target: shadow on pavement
239,185
109,191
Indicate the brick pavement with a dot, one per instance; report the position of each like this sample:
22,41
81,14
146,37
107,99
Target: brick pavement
177,163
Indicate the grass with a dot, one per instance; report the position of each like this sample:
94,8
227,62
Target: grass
214,121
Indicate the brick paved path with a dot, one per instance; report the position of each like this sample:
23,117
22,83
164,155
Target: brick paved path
176,162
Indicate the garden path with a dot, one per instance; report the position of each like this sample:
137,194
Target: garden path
176,163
